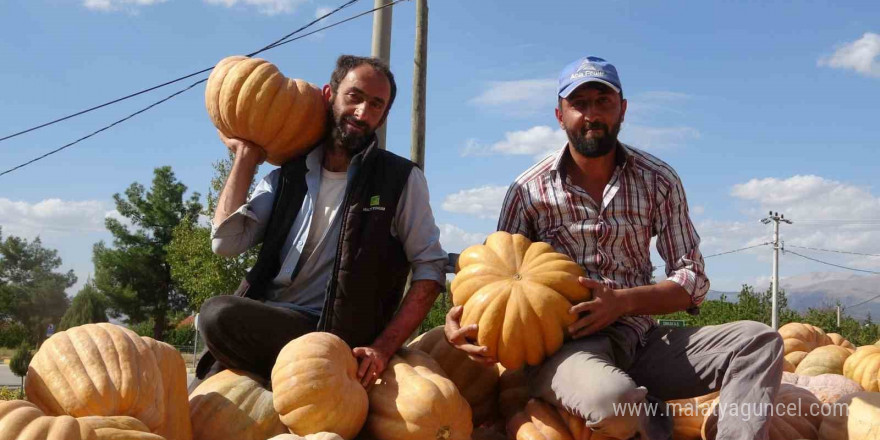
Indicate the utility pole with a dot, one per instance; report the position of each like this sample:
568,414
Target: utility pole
420,81
776,219
838,316
382,46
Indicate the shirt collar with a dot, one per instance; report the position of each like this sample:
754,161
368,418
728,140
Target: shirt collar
316,156
623,158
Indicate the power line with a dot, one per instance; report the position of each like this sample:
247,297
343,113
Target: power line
832,264
274,45
835,251
863,302
726,252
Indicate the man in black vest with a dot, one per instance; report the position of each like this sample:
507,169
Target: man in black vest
340,227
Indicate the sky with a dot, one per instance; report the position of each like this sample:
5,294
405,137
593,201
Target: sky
759,106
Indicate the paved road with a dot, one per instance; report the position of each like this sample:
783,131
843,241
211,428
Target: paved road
7,378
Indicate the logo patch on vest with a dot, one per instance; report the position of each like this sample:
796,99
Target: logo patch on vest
374,205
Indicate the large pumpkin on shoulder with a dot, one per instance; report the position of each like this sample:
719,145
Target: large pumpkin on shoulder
233,405
477,382
315,386
519,293
249,98
802,337
828,359
413,400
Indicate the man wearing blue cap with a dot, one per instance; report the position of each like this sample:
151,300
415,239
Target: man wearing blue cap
601,202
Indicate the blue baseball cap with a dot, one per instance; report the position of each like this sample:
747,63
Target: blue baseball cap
587,69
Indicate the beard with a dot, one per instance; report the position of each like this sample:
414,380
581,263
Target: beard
344,137
594,147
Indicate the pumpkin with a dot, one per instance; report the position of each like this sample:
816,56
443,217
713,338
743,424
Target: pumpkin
172,369
828,388
798,420
578,428
233,405
688,416
21,420
316,436
315,386
864,417
477,382
863,366
519,293
787,366
538,421
802,337
249,98
115,371
118,428
513,392
413,400
838,339
796,357
486,433
828,359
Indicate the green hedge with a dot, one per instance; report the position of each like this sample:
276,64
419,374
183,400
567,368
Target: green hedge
12,334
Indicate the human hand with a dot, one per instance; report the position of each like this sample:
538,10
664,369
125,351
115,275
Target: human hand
372,363
604,308
243,149
459,337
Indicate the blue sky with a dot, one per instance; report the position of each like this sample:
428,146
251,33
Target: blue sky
757,105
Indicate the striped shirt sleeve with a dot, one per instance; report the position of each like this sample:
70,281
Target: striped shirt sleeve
513,213
679,244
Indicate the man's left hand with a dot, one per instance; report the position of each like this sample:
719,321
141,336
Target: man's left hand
372,363
606,307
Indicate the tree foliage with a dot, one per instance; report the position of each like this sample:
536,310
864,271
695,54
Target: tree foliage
31,292
88,307
135,274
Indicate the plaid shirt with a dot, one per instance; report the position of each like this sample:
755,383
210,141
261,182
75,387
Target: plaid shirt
643,199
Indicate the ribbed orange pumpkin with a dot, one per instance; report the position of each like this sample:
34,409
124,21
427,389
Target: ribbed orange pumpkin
538,421
578,428
118,428
249,98
118,374
233,405
688,416
20,420
838,339
413,400
315,386
802,337
863,366
795,358
519,294
828,359
477,382
798,421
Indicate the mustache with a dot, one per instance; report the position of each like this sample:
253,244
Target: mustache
360,124
595,126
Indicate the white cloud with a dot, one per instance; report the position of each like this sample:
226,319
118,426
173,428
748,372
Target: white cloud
454,239
860,55
322,11
53,216
119,5
483,202
655,138
268,7
518,98
537,141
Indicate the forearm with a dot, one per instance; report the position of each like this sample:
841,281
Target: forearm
415,307
656,299
235,190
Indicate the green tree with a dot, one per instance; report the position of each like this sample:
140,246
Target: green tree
19,363
31,292
197,269
135,274
88,306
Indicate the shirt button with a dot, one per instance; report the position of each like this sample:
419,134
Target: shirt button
299,244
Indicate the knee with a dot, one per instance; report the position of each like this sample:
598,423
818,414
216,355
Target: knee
214,313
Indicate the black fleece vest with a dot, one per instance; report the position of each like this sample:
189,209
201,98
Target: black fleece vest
371,268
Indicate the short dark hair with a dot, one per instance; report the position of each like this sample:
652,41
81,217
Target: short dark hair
345,63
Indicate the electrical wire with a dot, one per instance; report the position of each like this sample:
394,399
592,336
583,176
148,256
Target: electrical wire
863,302
832,264
726,252
832,250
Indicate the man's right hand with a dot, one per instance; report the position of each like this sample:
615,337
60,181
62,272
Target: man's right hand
244,150
458,337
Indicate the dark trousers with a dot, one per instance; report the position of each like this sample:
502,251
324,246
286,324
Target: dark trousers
244,334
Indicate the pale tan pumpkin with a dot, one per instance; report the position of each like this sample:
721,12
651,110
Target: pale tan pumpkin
519,293
798,421
787,366
316,436
863,366
172,369
315,386
477,382
249,98
864,417
538,421
797,336
688,416
513,392
828,359
795,358
838,339
413,400
118,428
98,370
233,405
833,425
828,388
21,420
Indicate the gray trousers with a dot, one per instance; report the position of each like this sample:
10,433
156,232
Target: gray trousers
612,382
